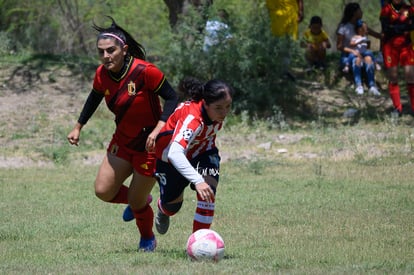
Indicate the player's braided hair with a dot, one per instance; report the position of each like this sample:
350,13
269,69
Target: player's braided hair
135,49
211,91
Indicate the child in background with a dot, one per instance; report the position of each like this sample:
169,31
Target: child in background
361,44
316,41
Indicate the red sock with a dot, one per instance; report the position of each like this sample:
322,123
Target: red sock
395,95
122,196
204,214
410,88
144,219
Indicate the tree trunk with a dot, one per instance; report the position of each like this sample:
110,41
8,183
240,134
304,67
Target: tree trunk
176,7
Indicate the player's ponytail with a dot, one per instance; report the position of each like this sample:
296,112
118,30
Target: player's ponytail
121,37
191,87
211,91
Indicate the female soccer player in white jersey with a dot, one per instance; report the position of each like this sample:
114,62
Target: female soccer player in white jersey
187,154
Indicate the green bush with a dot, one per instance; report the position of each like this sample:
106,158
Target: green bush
6,44
253,61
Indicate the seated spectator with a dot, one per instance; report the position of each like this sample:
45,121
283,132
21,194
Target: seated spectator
361,44
316,41
345,32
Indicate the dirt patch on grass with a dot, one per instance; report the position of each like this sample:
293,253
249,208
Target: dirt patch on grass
36,102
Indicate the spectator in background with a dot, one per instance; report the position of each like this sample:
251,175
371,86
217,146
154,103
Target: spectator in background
362,44
412,32
397,21
285,16
217,30
345,31
315,41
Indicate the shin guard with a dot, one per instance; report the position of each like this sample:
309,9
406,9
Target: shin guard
144,219
204,214
410,88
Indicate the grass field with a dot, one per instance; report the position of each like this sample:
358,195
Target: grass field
336,201
329,196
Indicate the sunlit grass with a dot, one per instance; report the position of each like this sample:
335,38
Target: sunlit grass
275,216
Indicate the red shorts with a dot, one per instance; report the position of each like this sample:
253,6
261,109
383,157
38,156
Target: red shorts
143,162
394,56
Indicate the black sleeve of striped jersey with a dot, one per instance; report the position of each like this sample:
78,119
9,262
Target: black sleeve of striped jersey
92,102
170,100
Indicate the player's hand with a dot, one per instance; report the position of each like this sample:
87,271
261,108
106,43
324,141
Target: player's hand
73,137
150,143
205,191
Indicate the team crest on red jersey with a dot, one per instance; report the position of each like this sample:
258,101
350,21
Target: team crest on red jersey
131,88
388,59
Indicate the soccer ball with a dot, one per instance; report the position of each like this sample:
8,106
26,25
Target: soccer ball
205,245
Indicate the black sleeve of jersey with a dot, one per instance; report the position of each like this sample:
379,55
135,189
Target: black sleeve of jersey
91,104
386,27
170,100
395,29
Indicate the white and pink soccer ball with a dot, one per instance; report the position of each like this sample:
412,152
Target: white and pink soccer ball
205,245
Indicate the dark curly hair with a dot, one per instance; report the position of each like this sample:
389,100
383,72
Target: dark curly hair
211,91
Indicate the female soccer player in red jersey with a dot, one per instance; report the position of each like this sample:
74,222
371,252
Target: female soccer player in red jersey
187,153
131,88
397,20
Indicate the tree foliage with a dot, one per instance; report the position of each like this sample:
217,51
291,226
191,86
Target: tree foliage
253,61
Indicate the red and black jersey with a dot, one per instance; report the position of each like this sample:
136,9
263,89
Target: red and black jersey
396,23
133,96
189,126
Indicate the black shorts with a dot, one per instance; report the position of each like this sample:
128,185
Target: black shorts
172,183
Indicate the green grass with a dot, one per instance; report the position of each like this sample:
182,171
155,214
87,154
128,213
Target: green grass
340,200
276,216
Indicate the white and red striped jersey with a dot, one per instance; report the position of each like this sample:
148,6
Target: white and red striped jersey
190,127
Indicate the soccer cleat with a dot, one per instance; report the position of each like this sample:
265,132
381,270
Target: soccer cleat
359,90
374,91
128,214
162,222
147,245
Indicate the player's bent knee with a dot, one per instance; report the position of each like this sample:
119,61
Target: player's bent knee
103,194
172,207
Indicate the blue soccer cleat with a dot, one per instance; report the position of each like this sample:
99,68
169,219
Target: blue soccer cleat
147,245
